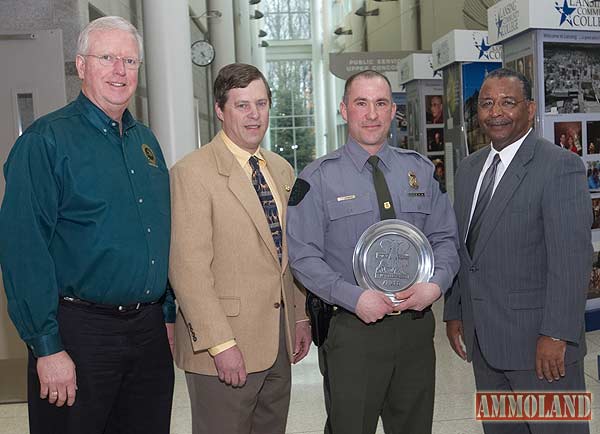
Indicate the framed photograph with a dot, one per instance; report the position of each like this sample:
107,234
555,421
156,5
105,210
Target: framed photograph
440,171
435,139
593,177
414,118
596,210
567,135
570,78
524,65
434,109
473,75
594,288
593,137
399,128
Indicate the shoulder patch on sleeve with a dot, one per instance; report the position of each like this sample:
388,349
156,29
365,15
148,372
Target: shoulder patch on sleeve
300,189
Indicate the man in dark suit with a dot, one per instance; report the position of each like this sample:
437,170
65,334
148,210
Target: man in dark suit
524,217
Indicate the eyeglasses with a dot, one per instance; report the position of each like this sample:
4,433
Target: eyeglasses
504,103
110,60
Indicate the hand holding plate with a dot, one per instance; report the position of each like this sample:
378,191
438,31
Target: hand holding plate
418,296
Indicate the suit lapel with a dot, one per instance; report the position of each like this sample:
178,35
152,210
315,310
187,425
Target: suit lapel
242,189
512,178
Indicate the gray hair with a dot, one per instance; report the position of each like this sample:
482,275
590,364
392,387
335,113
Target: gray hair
108,23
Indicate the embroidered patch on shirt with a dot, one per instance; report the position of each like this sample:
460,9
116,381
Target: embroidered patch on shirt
149,154
300,189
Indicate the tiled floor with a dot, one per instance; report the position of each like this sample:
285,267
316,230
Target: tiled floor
453,406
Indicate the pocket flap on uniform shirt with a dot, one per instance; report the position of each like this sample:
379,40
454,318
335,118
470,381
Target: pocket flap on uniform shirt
338,209
416,203
231,305
531,299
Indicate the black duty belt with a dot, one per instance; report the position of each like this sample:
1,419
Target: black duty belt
108,307
415,314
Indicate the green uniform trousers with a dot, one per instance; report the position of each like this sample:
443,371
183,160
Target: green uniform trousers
383,369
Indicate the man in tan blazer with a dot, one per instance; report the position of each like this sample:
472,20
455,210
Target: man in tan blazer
241,319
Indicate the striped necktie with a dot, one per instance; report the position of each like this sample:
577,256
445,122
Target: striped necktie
268,203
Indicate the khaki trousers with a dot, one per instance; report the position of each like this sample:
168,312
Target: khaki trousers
260,407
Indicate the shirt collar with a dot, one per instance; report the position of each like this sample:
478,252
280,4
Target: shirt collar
100,119
508,153
359,156
240,154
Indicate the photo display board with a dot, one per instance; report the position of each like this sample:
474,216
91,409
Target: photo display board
563,64
399,127
465,57
425,110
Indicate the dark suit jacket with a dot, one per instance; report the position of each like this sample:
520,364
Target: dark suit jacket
531,266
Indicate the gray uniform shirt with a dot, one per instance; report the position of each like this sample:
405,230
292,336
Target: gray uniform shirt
334,202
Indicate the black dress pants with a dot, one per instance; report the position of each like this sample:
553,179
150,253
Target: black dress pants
124,374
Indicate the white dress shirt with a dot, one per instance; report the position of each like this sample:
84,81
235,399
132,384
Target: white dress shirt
506,156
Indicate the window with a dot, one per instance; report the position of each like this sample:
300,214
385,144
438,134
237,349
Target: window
292,130
287,19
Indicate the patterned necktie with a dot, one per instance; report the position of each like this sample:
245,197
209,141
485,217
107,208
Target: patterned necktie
268,203
483,200
384,199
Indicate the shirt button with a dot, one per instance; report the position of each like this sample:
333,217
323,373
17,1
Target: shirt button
132,171
104,130
276,305
114,124
140,200
149,230
147,291
152,262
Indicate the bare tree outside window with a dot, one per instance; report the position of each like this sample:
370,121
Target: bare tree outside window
287,19
292,115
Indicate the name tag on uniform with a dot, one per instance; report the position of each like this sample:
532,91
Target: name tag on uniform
414,194
343,198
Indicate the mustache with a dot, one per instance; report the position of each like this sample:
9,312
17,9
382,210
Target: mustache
497,122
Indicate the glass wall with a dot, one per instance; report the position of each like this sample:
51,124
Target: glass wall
287,19
290,70
292,114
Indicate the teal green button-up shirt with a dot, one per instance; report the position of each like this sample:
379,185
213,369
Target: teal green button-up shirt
86,214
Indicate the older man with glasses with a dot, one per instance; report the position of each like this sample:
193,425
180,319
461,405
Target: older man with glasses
84,245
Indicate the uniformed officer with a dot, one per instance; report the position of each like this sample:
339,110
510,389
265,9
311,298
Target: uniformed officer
374,363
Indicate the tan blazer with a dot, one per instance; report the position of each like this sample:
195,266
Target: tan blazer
224,266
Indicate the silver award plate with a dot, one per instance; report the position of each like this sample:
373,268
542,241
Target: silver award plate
392,255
